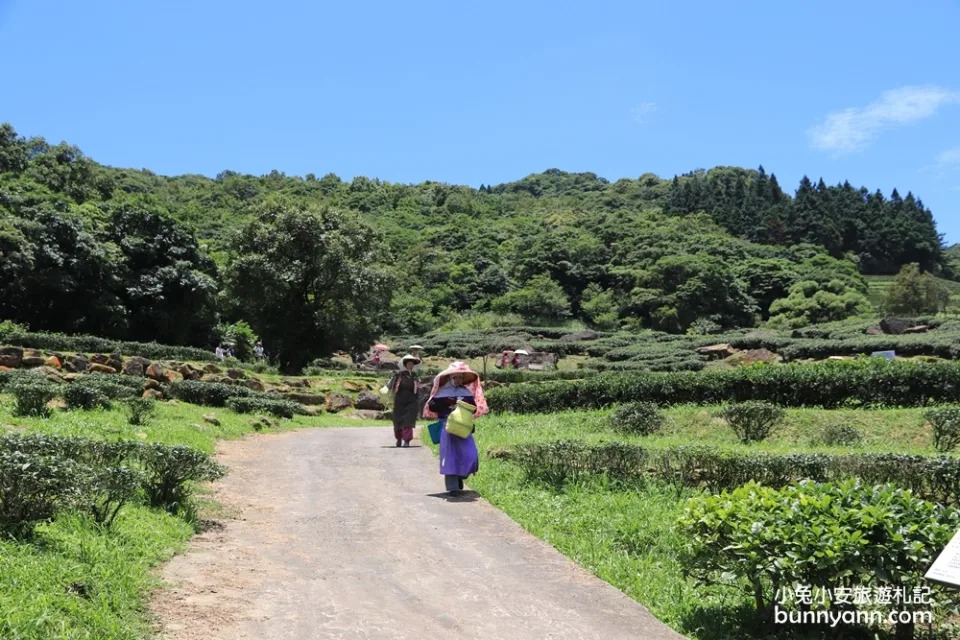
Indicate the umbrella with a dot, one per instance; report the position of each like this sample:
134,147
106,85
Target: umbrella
522,352
381,347
453,391
416,346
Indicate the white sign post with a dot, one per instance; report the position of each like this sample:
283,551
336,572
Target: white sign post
946,568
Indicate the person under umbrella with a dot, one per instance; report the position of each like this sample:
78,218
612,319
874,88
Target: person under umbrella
459,458
405,385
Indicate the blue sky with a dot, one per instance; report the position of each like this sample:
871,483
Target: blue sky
485,93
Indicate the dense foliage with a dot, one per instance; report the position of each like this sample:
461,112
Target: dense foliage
830,385
128,254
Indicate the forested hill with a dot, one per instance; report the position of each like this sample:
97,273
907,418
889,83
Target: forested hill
122,252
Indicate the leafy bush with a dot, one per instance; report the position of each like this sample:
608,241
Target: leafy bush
139,410
821,535
946,427
241,337
32,395
872,382
93,344
33,487
841,435
641,418
752,421
79,396
169,469
212,394
279,408
108,489
112,386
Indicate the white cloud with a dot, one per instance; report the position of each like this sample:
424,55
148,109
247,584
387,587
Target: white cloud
949,158
642,110
854,128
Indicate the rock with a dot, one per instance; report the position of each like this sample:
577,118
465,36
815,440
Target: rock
350,385
365,414
100,358
150,383
875,330
32,359
156,371
896,326
172,376
76,363
492,384
115,361
209,418
96,367
211,368
49,373
153,394
838,358
5,368
54,362
580,336
304,397
717,351
190,372
11,357
367,401
236,374
297,383
335,401
253,383
310,410
136,366
71,377
753,356
921,328
265,420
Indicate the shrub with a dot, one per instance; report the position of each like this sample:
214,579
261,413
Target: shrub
80,396
841,435
112,386
33,487
946,427
32,395
752,421
641,418
169,469
821,535
108,490
213,394
279,408
94,344
139,410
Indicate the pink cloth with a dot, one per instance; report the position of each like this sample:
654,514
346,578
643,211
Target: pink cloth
475,388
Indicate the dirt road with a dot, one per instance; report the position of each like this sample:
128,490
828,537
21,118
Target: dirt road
333,533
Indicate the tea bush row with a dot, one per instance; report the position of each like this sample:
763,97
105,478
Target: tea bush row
41,475
935,478
275,407
93,344
873,382
823,536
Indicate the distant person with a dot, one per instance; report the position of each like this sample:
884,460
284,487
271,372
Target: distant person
405,385
505,360
516,361
229,352
376,359
459,458
219,352
258,351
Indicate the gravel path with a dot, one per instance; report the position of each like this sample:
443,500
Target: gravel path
334,533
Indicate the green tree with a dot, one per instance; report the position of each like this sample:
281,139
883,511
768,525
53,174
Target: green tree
811,302
310,282
541,299
599,307
914,293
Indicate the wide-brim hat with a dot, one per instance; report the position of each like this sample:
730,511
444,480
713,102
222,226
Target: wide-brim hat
455,368
410,356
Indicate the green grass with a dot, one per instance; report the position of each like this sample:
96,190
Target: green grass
75,581
628,537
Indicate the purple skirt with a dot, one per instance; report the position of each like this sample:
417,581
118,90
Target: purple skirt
458,456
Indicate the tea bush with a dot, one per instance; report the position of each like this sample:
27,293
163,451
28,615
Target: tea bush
112,386
169,469
107,490
139,410
946,427
213,394
822,535
641,418
34,487
841,435
935,478
93,344
752,421
873,382
278,408
31,395
80,396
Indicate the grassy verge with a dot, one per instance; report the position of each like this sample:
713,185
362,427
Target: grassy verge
75,581
628,537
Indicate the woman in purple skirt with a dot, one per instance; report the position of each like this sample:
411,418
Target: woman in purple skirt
458,456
